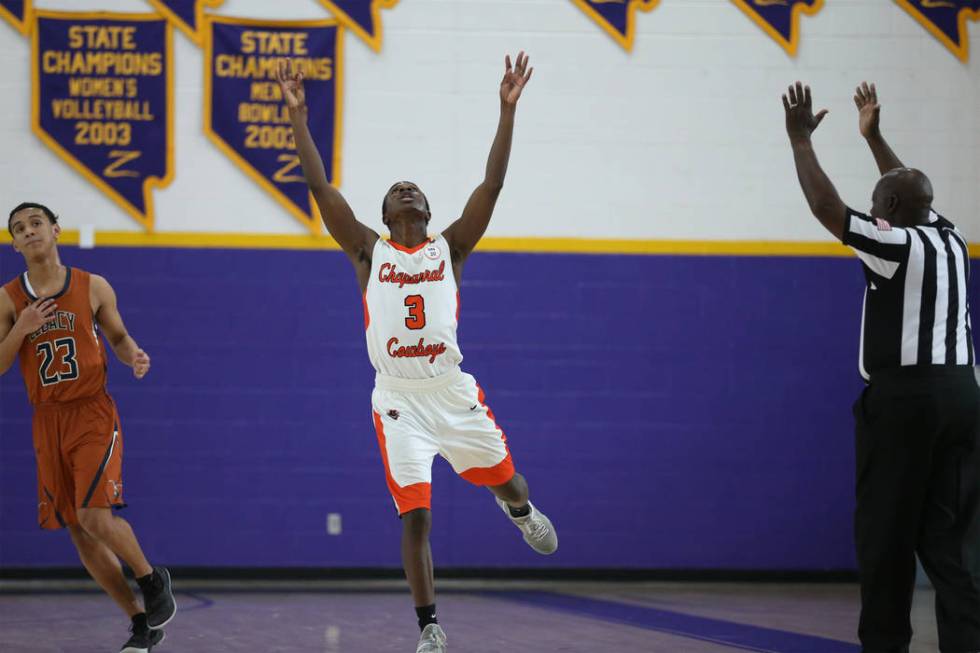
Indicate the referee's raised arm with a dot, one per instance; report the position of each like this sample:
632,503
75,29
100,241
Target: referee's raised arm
869,124
820,193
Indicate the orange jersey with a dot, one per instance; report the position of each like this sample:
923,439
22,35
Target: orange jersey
64,360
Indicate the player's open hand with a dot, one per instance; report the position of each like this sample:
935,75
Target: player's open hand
515,78
141,364
36,315
866,99
291,86
800,121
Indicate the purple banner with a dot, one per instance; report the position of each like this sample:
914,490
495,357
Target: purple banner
781,19
188,15
946,20
361,17
244,112
17,13
617,18
102,100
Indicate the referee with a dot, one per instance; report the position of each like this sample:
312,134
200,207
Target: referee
917,421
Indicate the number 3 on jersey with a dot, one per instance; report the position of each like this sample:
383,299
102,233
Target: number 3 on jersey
63,349
416,312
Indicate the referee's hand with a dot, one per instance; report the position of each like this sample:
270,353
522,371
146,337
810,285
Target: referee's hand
869,110
800,121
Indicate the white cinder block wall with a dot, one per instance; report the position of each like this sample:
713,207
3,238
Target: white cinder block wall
682,138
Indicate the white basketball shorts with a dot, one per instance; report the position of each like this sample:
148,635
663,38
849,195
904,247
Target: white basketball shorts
416,419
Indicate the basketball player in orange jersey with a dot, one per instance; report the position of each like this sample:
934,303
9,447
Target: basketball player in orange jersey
423,404
48,316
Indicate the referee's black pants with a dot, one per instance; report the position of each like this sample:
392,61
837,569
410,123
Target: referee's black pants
918,492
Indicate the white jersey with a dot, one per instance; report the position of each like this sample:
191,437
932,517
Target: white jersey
411,309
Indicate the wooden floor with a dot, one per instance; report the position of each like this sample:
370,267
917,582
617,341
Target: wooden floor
371,617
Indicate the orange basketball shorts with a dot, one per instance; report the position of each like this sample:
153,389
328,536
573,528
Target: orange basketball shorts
79,448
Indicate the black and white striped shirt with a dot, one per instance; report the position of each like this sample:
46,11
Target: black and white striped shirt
916,308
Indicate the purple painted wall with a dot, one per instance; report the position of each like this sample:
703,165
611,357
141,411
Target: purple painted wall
669,412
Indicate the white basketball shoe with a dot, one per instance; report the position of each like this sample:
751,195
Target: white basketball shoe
538,531
433,640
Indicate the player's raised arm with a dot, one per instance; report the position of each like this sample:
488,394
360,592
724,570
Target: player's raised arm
820,193
356,239
465,233
869,113
110,321
13,332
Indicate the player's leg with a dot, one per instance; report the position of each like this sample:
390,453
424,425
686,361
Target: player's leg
514,493
417,557
57,503
103,566
407,451
94,450
117,535
476,447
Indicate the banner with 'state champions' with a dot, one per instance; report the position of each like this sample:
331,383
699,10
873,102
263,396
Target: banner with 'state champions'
245,115
102,99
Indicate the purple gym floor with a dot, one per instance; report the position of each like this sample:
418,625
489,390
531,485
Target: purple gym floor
478,618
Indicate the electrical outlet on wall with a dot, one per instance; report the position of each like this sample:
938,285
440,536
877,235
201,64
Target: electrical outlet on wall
334,523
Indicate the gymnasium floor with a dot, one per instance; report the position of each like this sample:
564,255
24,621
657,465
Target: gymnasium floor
497,617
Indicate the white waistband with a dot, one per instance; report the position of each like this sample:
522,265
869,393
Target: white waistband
431,384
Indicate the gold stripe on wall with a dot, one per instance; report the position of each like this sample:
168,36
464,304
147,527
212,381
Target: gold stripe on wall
489,244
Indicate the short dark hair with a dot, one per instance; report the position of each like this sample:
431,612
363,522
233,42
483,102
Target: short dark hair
384,202
31,205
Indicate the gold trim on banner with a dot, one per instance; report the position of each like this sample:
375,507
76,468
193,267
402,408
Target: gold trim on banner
793,43
22,26
374,41
625,40
312,222
199,7
961,51
149,183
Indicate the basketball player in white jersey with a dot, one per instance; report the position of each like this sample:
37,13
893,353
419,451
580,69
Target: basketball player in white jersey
423,404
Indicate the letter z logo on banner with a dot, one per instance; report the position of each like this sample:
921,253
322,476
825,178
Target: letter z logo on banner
244,113
102,99
946,20
188,15
17,13
616,17
780,19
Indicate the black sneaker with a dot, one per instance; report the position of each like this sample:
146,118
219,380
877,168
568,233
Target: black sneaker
142,641
158,598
